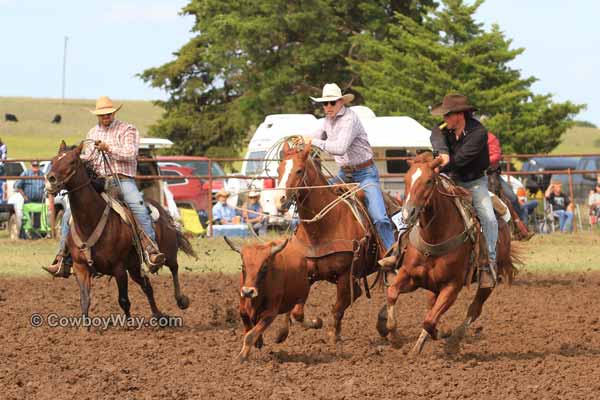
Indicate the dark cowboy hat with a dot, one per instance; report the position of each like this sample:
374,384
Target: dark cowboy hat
452,103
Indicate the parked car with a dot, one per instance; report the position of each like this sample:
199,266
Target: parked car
192,192
187,193
582,183
533,183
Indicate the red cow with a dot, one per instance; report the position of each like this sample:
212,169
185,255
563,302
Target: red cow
274,280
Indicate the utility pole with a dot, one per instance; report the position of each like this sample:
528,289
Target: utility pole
64,72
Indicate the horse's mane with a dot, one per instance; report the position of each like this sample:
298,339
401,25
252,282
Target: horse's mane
423,157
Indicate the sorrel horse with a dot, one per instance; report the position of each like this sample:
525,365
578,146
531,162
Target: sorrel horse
432,204
113,254
341,244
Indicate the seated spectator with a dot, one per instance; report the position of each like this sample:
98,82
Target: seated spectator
252,214
561,206
27,191
223,213
594,203
526,206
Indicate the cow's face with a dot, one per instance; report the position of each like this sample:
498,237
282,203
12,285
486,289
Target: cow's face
256,261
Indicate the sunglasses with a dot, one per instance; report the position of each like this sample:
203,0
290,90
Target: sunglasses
329,103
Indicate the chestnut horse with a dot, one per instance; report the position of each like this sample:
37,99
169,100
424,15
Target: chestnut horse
431,203
341,243
113,254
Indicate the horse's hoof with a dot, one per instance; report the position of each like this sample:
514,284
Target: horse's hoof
282,335
317,323
382,327
259,343
241,358
395,340
183,302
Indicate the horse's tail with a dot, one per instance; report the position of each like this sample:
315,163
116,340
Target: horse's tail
507,269
184,244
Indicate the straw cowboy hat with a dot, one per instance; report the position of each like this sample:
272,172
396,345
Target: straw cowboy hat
332,92
452,103
254,193
104,105
222,193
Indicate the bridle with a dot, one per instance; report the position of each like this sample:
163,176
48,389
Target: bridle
60,184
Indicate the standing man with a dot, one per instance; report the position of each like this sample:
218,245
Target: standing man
462,143
343,136
3,154
120,141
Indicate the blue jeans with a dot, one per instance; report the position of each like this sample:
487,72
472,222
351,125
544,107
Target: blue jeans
133,199
527,209
368,179
485,211
565,220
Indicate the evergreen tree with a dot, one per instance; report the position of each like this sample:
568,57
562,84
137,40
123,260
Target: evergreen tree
253,58
417,64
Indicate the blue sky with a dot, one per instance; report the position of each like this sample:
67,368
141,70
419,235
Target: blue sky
111,41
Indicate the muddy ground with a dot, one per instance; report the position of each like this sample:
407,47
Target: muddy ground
539,339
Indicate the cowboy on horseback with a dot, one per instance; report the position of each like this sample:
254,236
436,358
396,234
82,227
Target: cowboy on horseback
462,144
120,141
343,136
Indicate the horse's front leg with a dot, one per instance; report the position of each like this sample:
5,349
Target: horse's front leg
403,283
453,343
345,297
444,301
135,272
84,279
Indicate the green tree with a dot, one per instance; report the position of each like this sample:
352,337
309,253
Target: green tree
418,63
253,58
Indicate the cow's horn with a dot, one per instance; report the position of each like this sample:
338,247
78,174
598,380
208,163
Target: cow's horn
233,246
278,248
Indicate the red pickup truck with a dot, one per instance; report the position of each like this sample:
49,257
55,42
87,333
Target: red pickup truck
192,193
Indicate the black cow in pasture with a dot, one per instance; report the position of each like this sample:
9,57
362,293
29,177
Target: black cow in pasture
57,119
10,117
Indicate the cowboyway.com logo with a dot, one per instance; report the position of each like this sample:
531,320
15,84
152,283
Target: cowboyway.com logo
54,320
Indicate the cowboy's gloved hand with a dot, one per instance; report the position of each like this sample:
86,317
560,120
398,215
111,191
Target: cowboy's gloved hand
101,146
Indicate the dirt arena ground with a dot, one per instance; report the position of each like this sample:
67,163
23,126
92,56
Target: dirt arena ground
539,339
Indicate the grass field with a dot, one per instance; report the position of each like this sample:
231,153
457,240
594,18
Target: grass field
35,137
559,253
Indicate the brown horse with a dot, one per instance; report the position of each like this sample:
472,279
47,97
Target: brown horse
341,243
444,274
113,254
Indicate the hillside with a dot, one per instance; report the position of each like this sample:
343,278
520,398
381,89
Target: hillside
35,136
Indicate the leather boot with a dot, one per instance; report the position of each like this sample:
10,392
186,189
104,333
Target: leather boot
60,267
488,276
524,234
154,257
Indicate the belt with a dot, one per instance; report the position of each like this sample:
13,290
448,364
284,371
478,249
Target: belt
352,168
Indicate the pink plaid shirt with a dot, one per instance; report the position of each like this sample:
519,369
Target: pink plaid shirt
123,141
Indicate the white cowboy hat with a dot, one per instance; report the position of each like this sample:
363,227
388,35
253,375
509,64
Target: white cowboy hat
104,105
254,193
332,92
222,193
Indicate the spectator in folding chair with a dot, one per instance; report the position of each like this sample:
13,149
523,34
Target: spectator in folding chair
561,206
28,191
252,214
594,203
223,213
527,207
